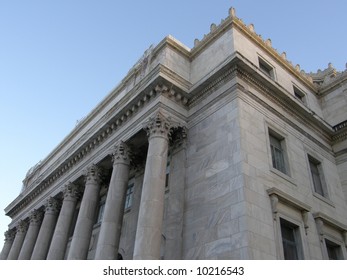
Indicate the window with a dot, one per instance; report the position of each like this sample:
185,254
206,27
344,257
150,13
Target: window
167,174
278,154
100,212
290,240
299,94
317,176
333,249
266,68
129,195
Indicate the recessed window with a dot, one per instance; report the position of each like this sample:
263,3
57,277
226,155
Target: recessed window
266,68
291,241
101,211
333,250
278,154
129,196
299,94
317,176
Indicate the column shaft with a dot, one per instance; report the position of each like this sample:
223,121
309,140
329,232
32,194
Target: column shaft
86,217
61,233
47,229
18,241
149,227
9,237
31,236
110,231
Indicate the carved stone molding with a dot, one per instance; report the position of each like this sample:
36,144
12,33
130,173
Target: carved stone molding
9,235
22,226
71,191
179,138
52,206
121,154
93,174
36,217
158,126
274,205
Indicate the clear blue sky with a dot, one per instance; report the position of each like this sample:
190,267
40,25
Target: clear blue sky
58,59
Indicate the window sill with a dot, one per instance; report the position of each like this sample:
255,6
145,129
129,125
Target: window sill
283,176
324,199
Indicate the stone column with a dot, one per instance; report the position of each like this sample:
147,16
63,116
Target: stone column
31,236
62,229
9,237
110,231
86,216
149,226
47,229
22,228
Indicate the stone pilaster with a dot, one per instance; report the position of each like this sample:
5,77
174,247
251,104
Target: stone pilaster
21,231
110,231
149,226
62,229
85,220
31,236
9,237
44,238
175,207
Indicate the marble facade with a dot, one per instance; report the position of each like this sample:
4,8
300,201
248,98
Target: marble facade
213,152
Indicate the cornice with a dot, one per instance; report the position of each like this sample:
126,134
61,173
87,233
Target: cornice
114,120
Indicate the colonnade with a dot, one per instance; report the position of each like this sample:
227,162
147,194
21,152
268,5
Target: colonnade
46,235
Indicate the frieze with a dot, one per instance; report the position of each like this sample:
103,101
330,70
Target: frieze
99,138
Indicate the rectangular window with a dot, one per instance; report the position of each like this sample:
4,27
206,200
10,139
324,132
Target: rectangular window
278,153
129,195
334,250
101,212
299,94
317,176
290,240
266,68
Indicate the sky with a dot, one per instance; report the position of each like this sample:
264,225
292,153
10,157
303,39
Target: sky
59,59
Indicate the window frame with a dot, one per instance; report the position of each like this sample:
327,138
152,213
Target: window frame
336,246
266,68
318,164
299,94
129,195
272,134
297,238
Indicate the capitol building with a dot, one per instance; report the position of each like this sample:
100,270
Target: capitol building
221,151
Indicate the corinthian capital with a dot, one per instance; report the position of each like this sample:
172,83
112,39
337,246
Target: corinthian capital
52,206
93,174
9,235
71,191
158,126
22,226
121,153
35,217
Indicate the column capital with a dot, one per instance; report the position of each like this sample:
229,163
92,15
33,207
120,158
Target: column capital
121,153
93,174
52,206
9,235
158,126
36,217
22,226
71,191
179,137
